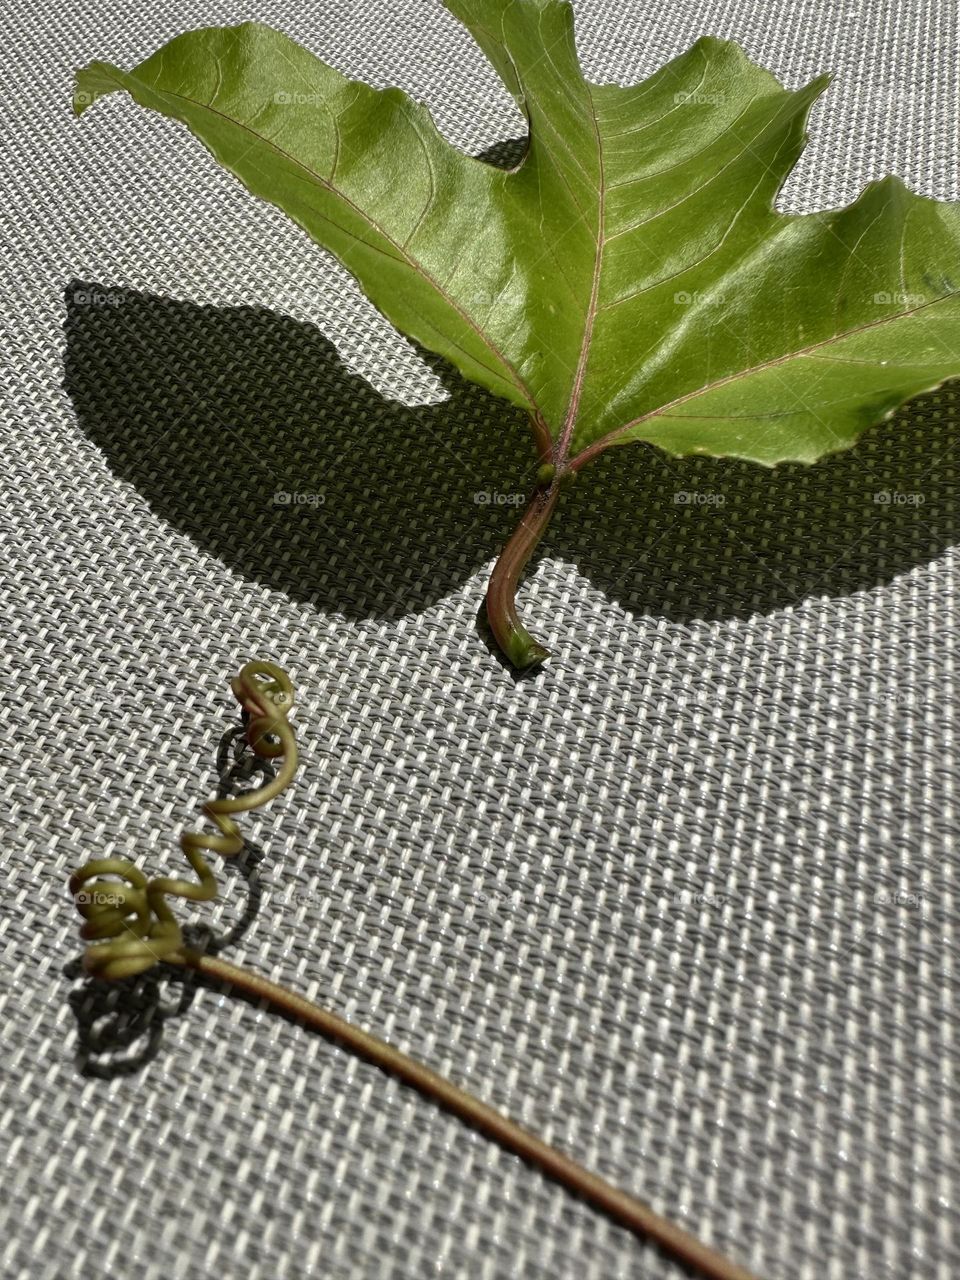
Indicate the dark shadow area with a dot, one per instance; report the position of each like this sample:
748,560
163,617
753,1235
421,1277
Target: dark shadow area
505,154
120,1023
214,414
714,539
243,429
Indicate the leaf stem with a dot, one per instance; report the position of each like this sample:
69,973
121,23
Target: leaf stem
512,637
620,1206
589,454
541,436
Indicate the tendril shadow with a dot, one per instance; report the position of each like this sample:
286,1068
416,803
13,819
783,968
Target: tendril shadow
120,1023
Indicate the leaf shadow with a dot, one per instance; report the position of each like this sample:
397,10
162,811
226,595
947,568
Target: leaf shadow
211,412
715,539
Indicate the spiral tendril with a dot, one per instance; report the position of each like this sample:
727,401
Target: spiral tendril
131,911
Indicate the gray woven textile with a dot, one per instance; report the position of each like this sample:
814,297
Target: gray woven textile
683,902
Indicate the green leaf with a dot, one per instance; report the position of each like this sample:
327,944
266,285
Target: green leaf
630,279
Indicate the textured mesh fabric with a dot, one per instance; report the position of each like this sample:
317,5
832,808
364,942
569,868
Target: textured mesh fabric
683,902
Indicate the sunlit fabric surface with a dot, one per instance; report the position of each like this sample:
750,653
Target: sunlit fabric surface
684,902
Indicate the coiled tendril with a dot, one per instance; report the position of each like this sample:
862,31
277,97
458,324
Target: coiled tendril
130,910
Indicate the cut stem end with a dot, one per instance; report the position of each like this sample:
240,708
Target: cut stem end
525,652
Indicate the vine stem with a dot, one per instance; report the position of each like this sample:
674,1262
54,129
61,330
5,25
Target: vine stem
620,1206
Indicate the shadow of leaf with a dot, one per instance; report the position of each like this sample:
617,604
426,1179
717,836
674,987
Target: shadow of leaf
211,412
717,539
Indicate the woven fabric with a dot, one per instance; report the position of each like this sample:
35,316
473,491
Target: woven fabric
683,902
